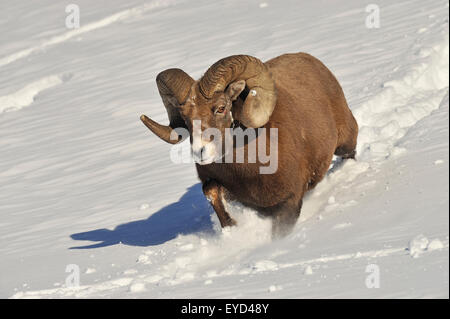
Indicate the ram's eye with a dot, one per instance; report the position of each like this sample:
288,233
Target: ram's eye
220,109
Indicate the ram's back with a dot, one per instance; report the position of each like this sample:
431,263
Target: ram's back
311,112
316,98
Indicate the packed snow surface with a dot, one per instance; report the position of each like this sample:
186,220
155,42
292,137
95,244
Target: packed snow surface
91,205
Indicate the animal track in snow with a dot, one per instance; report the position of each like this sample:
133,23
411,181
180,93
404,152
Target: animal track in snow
117,17
26,96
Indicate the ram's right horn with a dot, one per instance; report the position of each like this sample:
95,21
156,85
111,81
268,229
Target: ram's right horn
260,103
173,86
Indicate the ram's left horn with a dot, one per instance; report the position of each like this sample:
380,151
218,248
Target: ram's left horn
162,131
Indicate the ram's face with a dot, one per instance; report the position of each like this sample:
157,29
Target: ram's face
207,121
206,108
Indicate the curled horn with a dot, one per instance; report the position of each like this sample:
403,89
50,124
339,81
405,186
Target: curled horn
173,86
259,103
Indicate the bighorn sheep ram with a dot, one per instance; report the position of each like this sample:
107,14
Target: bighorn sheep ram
294,93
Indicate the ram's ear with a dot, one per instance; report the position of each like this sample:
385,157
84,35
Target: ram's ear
234,89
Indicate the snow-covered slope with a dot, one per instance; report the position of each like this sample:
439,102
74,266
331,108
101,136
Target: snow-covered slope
82,181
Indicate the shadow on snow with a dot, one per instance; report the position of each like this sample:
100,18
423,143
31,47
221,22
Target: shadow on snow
189,215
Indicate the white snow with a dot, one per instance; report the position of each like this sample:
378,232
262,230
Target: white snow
83,182
435,244
137,287
25,96
418,245
90,271
308,270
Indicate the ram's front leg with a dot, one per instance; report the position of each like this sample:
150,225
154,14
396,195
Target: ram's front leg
215,193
